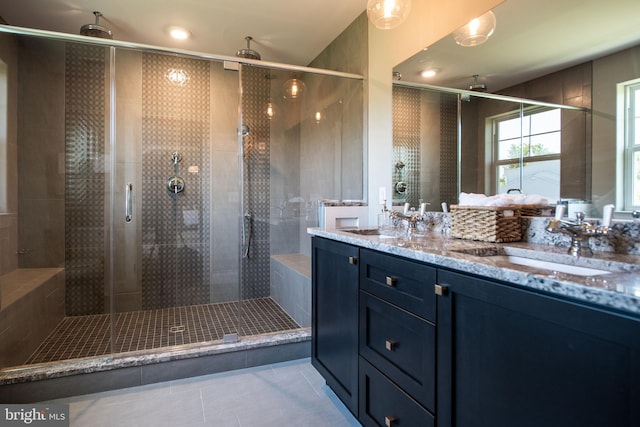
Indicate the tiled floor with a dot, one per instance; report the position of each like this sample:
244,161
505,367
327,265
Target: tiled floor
283,394
88,336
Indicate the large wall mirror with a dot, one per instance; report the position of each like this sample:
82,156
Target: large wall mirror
565,63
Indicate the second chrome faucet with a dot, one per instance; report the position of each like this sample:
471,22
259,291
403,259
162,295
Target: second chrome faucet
580,230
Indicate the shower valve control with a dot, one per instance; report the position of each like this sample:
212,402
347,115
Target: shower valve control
175,184
176,157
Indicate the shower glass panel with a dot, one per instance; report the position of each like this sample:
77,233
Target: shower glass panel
295,151
55,231
176,261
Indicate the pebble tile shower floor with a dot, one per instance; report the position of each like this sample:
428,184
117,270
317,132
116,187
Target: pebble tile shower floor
88,336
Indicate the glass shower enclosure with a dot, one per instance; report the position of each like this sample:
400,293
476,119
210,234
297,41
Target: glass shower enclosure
147,193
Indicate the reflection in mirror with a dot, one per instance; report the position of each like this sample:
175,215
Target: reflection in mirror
531,39
575,53
449,141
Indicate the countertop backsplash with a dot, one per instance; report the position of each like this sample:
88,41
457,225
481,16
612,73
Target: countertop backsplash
624,240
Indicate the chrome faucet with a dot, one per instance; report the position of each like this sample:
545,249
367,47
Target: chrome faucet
580,230
412,218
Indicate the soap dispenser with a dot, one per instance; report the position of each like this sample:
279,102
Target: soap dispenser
383,216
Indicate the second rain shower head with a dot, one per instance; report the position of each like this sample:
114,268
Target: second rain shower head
248,52
477,86
96,30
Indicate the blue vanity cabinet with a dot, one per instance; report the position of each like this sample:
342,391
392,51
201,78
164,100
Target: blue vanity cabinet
334,344
397,341
404,343
512,357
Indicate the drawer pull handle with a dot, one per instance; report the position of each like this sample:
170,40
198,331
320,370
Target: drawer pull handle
391,281
390,421
353,260
390,345
441,290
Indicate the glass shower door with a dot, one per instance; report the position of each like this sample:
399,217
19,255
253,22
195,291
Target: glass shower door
174,226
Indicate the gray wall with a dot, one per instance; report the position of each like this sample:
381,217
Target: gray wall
9,160
41,153
335,170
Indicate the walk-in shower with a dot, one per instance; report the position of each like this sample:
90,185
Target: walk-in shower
141,213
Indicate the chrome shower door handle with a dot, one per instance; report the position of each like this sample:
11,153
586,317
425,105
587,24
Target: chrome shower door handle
247,235
128,203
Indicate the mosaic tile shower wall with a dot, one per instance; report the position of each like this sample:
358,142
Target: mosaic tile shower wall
257,172
449,148
85,178
406,145
175,227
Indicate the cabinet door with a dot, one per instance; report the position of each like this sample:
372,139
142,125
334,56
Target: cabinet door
334,346
400,345
511,357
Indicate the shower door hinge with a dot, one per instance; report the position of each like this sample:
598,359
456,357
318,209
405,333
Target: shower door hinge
231,65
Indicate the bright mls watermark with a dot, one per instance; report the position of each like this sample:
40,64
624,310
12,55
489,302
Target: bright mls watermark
34,415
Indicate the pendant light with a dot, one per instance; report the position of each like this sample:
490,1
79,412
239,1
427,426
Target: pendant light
388,14
294,88
271,110
476,31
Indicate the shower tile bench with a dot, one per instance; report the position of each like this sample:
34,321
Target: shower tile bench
291,285
31,305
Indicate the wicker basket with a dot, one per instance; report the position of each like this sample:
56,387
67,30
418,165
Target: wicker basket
486,223
536,210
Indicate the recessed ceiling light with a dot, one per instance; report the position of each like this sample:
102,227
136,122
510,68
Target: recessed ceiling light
429,73
179,33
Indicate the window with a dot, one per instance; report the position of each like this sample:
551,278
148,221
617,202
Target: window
526,151
631,144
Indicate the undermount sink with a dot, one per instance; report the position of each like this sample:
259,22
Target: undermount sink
549,265
543,261
383,234
365,231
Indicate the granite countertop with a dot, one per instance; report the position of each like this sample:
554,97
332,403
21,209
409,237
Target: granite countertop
619,289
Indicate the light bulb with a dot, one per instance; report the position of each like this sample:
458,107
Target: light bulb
271,110
388,14
476,31
294,88
179,33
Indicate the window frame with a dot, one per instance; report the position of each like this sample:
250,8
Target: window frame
627,148
496,163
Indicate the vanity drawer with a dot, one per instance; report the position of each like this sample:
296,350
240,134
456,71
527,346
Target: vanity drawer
401,345
383,404
405,283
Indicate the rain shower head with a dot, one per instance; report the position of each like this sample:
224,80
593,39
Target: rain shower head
248,52
96,30
477,86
